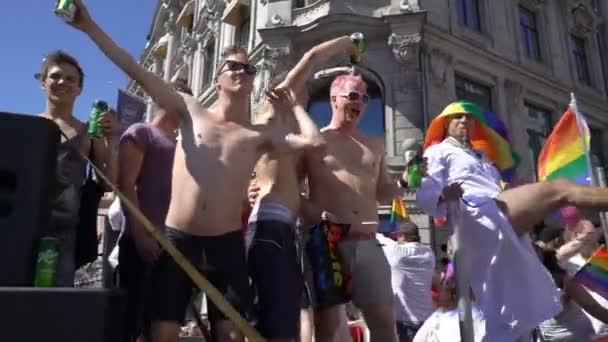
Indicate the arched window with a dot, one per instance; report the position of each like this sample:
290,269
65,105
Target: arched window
372,121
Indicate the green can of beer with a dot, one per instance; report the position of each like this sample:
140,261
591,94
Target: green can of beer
99,107
46,263
359,41
66,10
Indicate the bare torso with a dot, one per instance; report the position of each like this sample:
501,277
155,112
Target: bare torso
211,172
278,180
344,181
276,172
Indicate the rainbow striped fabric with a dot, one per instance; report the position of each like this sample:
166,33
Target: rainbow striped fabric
594,274
489,134
566,151
398,213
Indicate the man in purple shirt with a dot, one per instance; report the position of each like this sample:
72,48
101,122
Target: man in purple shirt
146,154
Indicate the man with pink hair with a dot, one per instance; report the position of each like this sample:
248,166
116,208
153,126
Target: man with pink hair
347,182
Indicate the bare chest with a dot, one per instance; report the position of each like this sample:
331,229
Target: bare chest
352,156
230,146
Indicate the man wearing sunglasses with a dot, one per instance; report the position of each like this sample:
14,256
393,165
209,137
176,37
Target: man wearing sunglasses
271,231
215,155
347,182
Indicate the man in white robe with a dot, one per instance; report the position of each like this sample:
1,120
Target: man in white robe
513,288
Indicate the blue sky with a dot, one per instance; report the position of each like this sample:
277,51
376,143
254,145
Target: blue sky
31,29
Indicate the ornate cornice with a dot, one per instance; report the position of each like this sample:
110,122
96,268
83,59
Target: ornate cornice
405,47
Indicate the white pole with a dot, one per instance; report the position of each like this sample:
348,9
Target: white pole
601,182
465,315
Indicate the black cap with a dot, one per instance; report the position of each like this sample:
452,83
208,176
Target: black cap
409,229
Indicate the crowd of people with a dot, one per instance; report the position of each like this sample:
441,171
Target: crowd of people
195,172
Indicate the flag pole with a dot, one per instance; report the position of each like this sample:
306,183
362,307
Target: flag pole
465,314
601,181
596,175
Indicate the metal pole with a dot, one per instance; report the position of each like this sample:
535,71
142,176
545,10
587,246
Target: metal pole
600,176
463,287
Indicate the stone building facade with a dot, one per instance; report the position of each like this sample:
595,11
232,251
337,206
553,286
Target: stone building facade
520,59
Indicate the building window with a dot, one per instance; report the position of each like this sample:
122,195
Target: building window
474,92
209,59
529,33
468,14
539,128
372,120
579,54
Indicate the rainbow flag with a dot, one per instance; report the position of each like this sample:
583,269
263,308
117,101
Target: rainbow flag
489,133
594,274
398,213
566,151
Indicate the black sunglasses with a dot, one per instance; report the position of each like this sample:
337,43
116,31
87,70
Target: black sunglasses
355,96
231,65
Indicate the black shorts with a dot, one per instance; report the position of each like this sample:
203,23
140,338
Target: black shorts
221,259
274,268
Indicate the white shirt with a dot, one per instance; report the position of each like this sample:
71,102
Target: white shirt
412,267
509,281
443,326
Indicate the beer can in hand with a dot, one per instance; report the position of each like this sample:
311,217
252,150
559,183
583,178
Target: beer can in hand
414,173
99,107
66,10
46,263
359,41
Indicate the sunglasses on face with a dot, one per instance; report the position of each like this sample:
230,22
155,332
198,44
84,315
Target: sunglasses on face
249,69
355,96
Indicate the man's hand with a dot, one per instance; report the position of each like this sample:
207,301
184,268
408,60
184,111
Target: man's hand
108,124
147,247
348,46
82,20
452,192
252,193
282,100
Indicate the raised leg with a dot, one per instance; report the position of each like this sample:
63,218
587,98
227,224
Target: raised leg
529,204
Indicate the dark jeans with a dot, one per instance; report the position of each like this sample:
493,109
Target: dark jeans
133,277
406,331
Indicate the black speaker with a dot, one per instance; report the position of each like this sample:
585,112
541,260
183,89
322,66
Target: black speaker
28,157
61,314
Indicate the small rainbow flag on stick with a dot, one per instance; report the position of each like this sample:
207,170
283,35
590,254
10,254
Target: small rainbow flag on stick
594,274
398,213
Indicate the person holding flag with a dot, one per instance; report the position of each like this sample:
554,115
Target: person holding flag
468,152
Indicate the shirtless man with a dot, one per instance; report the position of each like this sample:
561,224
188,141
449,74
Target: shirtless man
271,233
62,79
347,182
214,158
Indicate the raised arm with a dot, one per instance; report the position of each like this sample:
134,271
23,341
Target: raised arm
161,92
285,102
297,77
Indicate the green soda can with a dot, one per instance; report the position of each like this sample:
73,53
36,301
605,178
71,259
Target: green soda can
99,107
66,10
359,41
46,263
414,173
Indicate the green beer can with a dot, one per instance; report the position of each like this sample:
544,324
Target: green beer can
359,41
46,263
66,10
99,107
